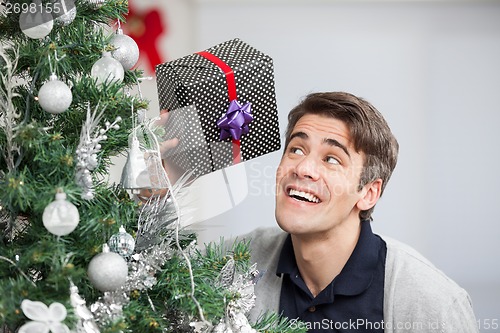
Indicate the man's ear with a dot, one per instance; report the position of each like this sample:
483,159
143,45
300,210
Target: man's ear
370,195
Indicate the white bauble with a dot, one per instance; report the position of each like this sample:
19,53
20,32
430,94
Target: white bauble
36,25
69,15
55,96
107,271
107,69
60,217
126,49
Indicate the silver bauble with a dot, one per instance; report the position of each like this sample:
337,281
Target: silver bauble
126,49
122,243
107,271
55,96
107,69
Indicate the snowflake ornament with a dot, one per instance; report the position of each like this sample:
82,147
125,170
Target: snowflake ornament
44,318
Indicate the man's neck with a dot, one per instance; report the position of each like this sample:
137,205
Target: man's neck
321,258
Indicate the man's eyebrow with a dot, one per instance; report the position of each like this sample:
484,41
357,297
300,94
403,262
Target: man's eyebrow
330,142
333,142
301,135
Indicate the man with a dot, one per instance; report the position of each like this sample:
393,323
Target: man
325,269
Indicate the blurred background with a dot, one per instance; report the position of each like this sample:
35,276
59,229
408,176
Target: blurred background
431,67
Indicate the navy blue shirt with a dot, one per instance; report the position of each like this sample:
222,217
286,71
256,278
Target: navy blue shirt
352,302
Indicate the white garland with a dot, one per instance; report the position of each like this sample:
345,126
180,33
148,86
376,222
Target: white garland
88,148
8,113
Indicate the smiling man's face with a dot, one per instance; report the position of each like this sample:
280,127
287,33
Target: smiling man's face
318,177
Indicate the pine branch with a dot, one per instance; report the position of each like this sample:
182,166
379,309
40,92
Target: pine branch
272,323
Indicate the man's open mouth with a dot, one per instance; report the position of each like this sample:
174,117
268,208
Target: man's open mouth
303,196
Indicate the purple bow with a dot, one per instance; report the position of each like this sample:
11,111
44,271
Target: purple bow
235,122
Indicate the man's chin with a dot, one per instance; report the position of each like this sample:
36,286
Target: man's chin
292,226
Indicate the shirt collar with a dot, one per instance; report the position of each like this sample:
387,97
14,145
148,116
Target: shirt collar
357,274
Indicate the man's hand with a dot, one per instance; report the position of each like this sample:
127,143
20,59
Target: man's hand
173,171
167,144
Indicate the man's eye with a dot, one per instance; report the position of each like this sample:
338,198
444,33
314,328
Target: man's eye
297,151
332,160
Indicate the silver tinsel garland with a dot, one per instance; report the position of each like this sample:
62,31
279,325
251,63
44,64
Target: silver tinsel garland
109,307
143,267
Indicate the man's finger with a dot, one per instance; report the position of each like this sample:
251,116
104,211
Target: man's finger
168,144
162,121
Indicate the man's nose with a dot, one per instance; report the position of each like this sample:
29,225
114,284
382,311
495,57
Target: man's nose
308,168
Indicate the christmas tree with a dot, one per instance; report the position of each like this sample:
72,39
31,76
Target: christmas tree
77,253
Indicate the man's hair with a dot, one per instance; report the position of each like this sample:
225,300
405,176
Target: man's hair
369,133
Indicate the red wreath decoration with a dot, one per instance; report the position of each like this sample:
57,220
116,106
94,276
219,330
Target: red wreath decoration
146,28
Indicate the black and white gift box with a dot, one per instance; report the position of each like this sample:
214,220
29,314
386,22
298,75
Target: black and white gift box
195,91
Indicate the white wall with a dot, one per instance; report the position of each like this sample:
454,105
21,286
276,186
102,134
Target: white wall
433,70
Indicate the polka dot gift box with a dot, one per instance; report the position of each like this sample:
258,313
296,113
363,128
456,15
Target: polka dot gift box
222,107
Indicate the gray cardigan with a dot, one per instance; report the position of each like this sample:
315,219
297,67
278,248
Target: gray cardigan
417,296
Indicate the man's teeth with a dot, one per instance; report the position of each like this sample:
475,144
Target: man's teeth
303,195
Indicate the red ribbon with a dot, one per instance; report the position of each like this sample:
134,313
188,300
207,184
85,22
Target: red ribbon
231,91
